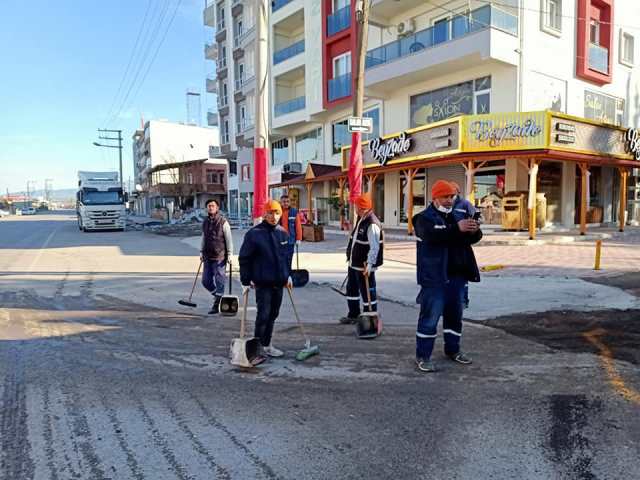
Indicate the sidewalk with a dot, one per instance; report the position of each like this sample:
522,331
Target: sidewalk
535,278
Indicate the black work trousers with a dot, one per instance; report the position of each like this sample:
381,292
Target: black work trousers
268,301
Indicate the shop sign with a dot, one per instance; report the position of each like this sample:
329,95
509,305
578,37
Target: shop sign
632,139
505,131
384,150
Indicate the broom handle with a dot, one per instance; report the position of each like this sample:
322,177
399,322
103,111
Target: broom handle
230,275
297,258
366,283
295,312
195,280
243,320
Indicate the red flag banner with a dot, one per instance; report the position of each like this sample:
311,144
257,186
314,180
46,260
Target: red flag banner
355,167
260,182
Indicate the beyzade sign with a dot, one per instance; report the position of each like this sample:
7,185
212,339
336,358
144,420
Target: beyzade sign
384,150
487,131
632,138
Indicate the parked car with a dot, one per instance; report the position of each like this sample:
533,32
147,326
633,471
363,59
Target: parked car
3,213
18,211
29,211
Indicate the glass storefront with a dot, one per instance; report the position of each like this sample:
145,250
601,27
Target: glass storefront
419,194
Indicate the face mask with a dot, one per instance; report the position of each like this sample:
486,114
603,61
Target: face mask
444,209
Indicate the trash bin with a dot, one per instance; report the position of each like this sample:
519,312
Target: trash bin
514,211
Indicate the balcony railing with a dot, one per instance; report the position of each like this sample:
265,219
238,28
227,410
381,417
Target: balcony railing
338,21
340,87
599,58
457,27
278,4
288,52
289,106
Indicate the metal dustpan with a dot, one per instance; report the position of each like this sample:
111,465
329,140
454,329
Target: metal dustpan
229,304
299,278
368,324
245,352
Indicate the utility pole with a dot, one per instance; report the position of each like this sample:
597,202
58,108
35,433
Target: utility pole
261,140
355,160
119,147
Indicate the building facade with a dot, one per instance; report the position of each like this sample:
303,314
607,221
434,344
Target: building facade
234,37
427,64
166,143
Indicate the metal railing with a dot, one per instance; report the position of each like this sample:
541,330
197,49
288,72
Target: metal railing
454,28
340,87
289,106
278,4
288,52
599,58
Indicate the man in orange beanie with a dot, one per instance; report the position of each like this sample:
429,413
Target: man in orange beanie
463,208
445,263
291,222
364,254
264,266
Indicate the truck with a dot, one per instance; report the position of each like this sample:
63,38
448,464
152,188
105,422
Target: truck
100,201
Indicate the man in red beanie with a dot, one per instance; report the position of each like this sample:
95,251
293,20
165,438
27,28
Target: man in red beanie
264,266
364,254
445,263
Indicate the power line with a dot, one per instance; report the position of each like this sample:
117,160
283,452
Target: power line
133,51
142,61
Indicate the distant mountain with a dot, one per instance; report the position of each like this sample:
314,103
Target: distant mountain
56,195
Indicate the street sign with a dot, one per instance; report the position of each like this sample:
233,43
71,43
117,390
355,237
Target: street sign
360,124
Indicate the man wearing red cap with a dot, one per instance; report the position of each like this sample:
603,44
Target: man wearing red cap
445,263
364,254
264,266
291,222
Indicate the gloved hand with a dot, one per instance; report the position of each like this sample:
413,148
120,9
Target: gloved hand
298,242
201,257
245,289
289,283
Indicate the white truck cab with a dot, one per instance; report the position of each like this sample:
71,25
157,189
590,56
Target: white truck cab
100,201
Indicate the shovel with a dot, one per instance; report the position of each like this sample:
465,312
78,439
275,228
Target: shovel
299,278
368,324
189,303
229,303
245,352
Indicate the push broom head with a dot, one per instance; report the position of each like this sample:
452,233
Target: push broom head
307,352
187,303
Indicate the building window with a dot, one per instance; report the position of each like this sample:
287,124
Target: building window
603,108
308,147
220,15
341,135
190,178
246,173
342,65
627,48
465,98
212,177
551,12
594,32
280,152
339,4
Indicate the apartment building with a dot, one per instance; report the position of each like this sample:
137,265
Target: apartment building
233,39
474,68
162,143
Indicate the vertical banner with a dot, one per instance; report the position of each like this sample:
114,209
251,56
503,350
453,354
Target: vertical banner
260,183
355,167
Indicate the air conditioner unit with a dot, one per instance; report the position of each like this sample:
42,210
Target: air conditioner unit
406,28
292,167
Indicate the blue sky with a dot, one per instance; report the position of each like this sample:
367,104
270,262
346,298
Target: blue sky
62,63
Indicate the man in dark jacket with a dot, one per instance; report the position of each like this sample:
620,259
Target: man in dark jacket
264,266
445,262
215,252
364,254
291,222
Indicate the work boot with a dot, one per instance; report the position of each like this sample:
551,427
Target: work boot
460,358
425,365
348,320
273,351
215,308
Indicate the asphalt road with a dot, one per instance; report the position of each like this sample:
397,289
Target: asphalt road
96,385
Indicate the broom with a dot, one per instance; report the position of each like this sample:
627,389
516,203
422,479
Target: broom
189,303
308,350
